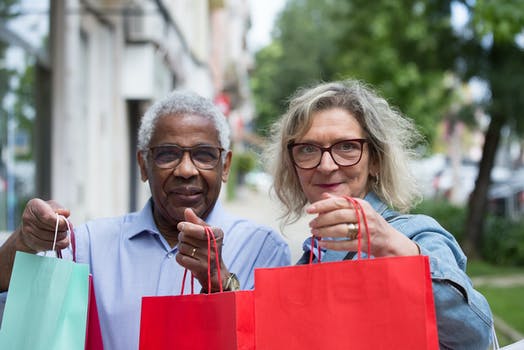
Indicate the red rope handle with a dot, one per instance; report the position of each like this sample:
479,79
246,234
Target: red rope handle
208,260
217,260
358,208
210,237
184,283
312,247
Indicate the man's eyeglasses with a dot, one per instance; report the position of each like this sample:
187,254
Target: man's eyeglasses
169,156
343,153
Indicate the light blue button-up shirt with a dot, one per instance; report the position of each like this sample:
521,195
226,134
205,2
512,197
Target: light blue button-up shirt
129,258
464,318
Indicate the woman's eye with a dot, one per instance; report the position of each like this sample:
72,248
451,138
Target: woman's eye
308,149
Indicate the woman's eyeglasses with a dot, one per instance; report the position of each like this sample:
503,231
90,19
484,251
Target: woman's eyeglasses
169,156
343,153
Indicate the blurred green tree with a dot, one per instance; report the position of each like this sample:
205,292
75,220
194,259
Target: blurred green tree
413,53
493,51
300,54
393,45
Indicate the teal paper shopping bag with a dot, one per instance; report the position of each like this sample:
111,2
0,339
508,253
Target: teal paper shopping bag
46,307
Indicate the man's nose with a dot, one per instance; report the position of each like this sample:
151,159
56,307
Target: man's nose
186,168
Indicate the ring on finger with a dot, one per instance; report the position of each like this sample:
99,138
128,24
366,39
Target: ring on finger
352,230
193,252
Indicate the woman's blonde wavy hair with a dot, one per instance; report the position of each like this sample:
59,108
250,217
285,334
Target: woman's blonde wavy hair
392,139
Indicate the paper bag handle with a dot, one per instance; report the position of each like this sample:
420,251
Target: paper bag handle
210,236
71,237
358,208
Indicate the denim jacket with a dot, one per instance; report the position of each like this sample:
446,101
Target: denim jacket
464,318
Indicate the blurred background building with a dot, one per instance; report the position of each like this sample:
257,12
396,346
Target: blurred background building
76,76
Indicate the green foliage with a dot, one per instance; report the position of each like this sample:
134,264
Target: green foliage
483,268
394,45
506,303
451,217
503,242
246,161
301,54
502,19
489,51
241,164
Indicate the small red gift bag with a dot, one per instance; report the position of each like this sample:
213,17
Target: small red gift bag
223,321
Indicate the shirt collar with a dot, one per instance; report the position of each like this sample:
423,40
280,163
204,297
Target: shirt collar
375,202
143,221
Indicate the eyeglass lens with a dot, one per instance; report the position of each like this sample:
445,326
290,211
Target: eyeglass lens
169,156
344,153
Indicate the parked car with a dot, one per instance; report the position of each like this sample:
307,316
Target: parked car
506,198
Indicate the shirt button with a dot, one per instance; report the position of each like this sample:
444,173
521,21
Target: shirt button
170,255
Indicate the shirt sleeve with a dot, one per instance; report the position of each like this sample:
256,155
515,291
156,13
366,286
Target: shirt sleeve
249,246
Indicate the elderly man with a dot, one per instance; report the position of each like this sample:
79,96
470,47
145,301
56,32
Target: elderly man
183,152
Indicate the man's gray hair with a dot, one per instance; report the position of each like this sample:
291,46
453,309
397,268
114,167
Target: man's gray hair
180,103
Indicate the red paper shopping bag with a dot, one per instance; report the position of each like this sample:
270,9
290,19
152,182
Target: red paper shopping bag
221,321
197,322
93,333
380,303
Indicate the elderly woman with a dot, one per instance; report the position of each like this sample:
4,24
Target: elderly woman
342,139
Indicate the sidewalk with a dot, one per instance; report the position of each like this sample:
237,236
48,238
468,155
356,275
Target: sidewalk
259,207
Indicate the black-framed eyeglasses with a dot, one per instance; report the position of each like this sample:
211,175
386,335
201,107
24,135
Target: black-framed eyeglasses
169,156
343,153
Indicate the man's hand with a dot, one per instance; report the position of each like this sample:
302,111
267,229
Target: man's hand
35,234
37,230
192,251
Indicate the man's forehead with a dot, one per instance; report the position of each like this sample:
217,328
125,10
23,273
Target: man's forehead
189,128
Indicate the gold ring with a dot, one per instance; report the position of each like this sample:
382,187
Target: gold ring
193,252
352,230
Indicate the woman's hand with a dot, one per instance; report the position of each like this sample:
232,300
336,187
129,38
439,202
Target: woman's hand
336,218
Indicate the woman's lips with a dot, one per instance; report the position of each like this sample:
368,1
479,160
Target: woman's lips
328,187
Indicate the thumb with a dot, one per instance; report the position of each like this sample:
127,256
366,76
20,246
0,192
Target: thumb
190,216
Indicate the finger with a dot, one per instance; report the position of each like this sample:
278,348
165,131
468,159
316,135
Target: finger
328,204
350,246
334,231
335,217
58,208
190,250
39,223
191,233
189,215
198,267
42,215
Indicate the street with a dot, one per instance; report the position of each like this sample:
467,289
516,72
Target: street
260,207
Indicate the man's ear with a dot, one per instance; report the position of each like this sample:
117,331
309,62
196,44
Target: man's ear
143,166
227,166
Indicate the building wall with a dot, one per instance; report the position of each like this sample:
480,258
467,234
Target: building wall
110,55
99,66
